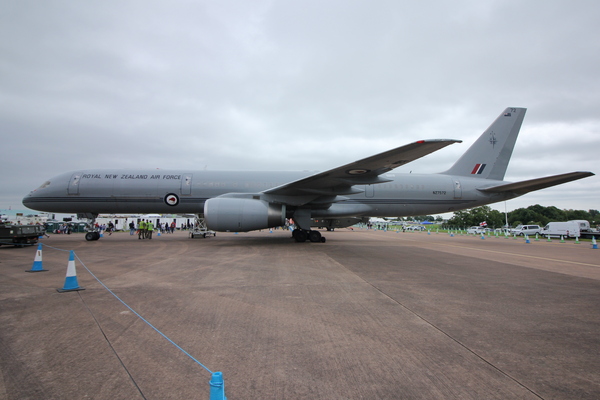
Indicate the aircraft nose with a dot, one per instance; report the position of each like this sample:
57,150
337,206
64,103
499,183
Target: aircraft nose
32,200
29,201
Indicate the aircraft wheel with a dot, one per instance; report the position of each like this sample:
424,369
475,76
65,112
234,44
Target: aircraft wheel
300,235
90,236
314,236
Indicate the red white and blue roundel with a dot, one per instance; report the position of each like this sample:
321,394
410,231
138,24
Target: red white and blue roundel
478,169
171,199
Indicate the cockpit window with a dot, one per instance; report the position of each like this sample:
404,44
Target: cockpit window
44,185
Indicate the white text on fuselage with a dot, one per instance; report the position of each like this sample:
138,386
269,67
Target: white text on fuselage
129,176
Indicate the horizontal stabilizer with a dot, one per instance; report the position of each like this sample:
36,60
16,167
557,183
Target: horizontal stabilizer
537,184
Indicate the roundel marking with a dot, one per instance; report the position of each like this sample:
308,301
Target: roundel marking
171,199
357,171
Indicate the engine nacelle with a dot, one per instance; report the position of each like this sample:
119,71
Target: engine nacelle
227,214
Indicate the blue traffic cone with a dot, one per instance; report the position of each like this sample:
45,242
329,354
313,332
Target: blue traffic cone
71,279
37,261
217,387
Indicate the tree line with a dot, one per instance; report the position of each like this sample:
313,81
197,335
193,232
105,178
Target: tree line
532,215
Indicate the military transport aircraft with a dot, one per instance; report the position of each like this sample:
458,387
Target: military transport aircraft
241,201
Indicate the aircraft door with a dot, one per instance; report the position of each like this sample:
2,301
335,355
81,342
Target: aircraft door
457,189
186,184
369,190
73,187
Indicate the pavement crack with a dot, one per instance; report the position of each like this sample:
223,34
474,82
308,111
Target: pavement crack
111,346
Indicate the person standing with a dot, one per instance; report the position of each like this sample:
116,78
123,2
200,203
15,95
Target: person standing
142,230
131,228
149,228
111,228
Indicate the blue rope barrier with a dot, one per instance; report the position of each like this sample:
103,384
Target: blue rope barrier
216,383
133,311
54,248
142,318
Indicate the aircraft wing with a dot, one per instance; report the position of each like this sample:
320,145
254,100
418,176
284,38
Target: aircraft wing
339,181
537,184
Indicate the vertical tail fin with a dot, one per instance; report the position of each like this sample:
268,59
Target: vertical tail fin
488,157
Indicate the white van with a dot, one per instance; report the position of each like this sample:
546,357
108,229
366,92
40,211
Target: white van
526,230
566,229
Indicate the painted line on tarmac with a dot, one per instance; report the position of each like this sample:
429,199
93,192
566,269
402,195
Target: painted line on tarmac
523,255
502,252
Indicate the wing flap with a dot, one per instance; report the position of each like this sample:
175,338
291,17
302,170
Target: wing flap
537,184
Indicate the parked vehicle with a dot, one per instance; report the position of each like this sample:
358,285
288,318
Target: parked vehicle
574,228
476,230
20,235
415,228
522,230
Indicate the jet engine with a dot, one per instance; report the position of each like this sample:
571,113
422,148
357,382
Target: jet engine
226,214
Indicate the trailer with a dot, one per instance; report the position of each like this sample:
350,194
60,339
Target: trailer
20,235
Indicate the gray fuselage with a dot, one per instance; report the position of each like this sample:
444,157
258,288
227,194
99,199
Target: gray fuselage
147,191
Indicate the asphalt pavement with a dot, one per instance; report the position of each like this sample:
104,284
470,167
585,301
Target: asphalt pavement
366,315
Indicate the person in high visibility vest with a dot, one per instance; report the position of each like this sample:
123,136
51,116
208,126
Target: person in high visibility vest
142,230
149,229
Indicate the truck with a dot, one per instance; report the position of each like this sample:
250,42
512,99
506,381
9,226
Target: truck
20,235
575,228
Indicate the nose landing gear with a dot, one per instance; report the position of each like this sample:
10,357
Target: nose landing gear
92,236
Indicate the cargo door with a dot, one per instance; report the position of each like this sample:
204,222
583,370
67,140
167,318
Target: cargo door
73,187
457,189
186,184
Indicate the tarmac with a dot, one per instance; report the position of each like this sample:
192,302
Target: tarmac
366,315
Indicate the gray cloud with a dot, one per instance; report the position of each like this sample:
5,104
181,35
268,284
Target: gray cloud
295,86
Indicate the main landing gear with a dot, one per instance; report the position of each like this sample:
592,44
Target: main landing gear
302,235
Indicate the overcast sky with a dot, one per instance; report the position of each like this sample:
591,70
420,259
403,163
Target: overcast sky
305,85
